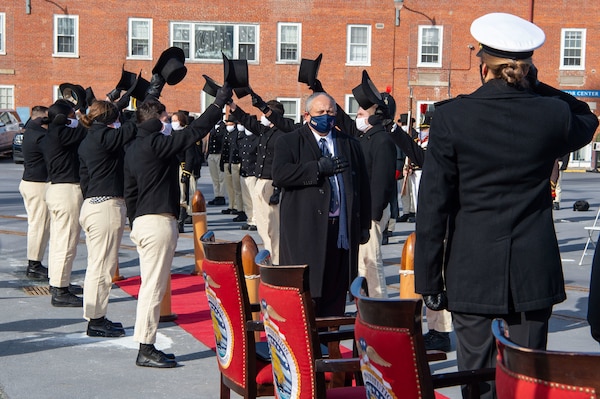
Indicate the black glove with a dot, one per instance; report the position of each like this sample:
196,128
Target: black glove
317,87
156,85
274,198
123,102
185,177
223,95
532,78
364,236
436,302
114,94
259,103
329,166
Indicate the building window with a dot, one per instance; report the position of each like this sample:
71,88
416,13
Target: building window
2,33
7,97
206,42
66,36
572,49
140,38
358,45
291,108
288,42
430,46
351,106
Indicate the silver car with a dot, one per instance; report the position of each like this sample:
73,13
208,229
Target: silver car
9,127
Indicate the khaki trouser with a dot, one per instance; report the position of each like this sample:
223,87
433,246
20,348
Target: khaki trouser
267,217
64,203
248,186
439,320
38,218
234,188
103,226
370,259
408,206
217,177
156,239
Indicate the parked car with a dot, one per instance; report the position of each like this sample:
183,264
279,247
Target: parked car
17,151
9,127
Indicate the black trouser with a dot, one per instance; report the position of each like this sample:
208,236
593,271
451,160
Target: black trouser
332,301
476,346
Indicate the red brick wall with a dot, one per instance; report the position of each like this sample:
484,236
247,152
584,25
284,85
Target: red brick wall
103,45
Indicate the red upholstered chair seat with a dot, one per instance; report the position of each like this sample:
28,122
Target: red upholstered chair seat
513,385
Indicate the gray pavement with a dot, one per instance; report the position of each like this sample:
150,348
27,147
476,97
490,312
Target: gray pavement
45,353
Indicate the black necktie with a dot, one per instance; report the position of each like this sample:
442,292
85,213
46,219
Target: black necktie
334,202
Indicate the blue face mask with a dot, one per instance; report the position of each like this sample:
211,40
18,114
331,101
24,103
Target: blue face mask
322,123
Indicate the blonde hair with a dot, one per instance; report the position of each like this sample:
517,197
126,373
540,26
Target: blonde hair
512,71
103,112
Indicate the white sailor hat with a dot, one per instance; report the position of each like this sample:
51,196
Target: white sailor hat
507,36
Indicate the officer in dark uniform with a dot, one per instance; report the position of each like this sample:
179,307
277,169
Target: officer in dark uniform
248,146
485,186
33,188
230,165
215,147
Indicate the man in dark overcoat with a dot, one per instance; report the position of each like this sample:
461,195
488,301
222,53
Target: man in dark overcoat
313,231
486,175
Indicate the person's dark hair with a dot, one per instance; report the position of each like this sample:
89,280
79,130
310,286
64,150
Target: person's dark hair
148,110
512,71
60,107
39,111
276,106
104,112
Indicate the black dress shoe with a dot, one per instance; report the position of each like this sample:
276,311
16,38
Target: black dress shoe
216,201
75,289
229,211
35,270
245,226
241,217
62,298
104,328
252,228
152,357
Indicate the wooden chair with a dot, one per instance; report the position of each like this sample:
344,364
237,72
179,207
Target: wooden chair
394,362
293,337
525,373
231,312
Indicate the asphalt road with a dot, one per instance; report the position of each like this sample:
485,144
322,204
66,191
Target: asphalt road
45,353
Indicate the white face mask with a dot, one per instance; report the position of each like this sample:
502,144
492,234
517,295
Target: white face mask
264,121
167,128
72,123
176,125
230,128
362,124
241,128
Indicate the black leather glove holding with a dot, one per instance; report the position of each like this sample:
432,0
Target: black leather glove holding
364,236
436,302
329,166
185,177
317,87
274,198
156,85
223,95
258,102
114,95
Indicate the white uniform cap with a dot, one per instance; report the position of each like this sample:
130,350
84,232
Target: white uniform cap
507,36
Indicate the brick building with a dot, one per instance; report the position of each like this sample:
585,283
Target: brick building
422,52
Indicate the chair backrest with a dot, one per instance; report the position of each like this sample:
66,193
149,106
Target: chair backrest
289,321
389,338
230,311
528,373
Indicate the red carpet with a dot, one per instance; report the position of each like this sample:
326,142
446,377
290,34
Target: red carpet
188,302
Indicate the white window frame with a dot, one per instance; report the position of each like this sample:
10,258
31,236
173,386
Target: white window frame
9,103
206,100
348,101
130,39
350,60
75,52
231,53
426,64
563,49
2,33
297,114
297,42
